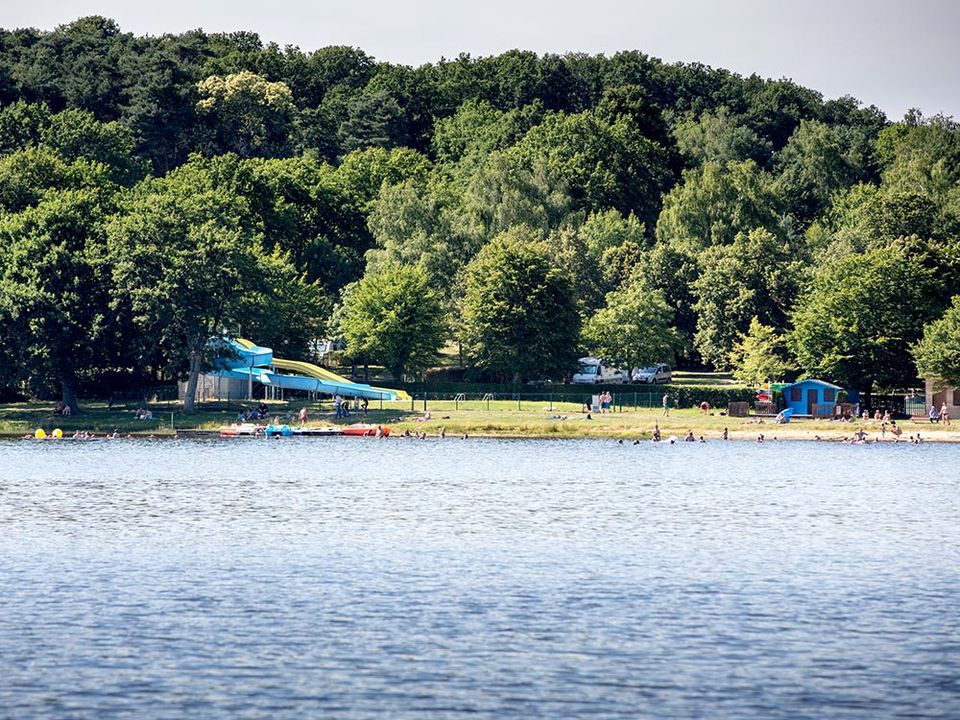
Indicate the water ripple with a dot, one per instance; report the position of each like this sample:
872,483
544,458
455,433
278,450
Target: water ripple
492,579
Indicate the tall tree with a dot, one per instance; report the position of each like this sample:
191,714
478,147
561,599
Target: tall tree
248,114
937,353
758,357
855,324
718,137
396,318
758,275
710,206
54,290
187,263
633,330
519,317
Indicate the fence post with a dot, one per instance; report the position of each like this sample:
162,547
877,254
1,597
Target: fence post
425,402
413,399
518,401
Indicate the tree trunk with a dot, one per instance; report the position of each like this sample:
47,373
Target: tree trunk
366,372
68,392
190,398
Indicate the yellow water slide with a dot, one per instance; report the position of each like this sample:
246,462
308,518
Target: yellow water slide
315,371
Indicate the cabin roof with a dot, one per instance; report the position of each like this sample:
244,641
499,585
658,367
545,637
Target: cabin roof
824,383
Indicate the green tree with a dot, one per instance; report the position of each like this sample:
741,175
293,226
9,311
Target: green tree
715,203
375,120
506,192
420,225
717,137
22,125
78,134
363,173
633,330
937,353
395,318
856,323
188,263
248,114
600,254
920,155
757,275
818,161
602,163
162,99
757,358
54,290
478,129
519,317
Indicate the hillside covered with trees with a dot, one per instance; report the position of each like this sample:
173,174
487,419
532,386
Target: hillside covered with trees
159,191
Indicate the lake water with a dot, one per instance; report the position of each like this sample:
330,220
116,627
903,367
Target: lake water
362,578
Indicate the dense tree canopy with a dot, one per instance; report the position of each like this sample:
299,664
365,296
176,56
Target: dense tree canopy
184,185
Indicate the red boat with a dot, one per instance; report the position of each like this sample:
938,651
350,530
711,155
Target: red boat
365,430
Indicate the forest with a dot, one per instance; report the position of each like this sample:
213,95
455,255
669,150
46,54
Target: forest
157,192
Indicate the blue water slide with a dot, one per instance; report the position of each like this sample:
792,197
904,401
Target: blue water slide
239,356
299,382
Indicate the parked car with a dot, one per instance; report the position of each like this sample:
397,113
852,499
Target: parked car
655,374
593,371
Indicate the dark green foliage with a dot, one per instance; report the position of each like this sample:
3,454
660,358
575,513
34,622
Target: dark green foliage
519,318
393,317
566,178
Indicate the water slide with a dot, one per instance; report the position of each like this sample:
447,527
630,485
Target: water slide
255,361
315,371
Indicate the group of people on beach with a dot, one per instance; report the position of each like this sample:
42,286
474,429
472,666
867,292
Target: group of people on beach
252,414
941,416
341,406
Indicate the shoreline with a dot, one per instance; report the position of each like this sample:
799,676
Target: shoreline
506,421
735,435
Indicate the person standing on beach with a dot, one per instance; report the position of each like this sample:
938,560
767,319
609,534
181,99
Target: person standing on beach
944,414
666,404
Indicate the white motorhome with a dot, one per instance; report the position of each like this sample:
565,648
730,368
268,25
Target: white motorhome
593,371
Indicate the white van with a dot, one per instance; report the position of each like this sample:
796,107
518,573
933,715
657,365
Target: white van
593,371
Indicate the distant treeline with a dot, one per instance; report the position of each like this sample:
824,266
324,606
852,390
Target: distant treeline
158,191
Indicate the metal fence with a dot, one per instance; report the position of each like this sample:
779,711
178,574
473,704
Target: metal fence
521,401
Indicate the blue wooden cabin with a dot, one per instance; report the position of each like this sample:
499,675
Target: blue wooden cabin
813,398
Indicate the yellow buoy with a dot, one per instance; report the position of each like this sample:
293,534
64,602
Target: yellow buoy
57,433
40,434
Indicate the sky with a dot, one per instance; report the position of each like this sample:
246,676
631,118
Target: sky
895,54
